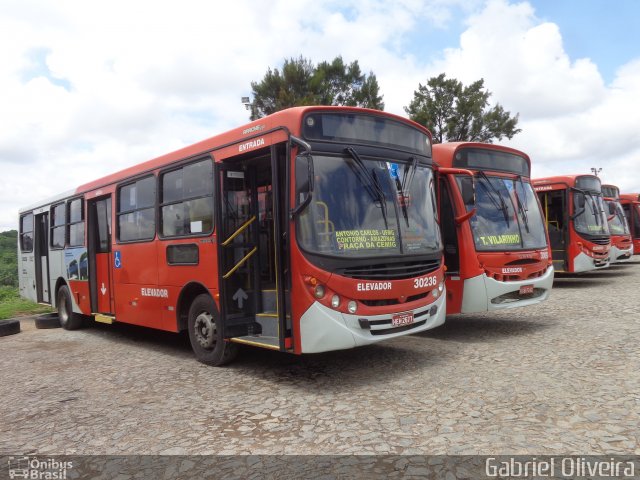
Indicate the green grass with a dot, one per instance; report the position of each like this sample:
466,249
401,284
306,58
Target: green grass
12,305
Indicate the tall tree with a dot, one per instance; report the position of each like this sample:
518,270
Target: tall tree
454,112
302,83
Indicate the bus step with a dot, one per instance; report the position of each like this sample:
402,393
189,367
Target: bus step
268,324
259,341
99,317
269,300
241,326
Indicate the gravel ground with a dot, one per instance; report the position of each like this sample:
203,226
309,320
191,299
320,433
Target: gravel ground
558,378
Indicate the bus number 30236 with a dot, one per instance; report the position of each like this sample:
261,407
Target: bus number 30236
423,282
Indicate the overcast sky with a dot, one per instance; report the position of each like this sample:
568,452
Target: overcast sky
88,88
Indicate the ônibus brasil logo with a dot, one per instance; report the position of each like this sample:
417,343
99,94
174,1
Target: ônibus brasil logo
34,468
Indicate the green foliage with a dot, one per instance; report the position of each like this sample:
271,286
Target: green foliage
302,83
12,305
454,112
9,258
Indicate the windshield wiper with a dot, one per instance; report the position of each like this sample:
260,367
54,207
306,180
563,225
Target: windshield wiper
402,189
499,204
523,208
370,183
593,207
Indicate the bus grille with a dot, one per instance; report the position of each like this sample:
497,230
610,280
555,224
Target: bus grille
390,271
604,240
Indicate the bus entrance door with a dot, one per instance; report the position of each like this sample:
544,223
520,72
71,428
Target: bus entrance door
41,254
100,259
247,268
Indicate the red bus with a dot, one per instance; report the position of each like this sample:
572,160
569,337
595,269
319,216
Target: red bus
573,206
621,242
310,230
631,206
495,243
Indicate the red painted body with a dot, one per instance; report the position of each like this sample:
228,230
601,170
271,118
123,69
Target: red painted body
507,265
574,248
631,204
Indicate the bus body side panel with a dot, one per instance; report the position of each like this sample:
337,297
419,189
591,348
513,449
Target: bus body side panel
138,299
26,274
175,277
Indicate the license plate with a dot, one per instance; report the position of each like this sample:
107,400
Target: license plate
526,289
399,319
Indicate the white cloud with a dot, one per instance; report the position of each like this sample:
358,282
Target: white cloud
149,77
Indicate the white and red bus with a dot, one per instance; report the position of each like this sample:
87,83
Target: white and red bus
631,206
574,209
495,243
621,242
310,230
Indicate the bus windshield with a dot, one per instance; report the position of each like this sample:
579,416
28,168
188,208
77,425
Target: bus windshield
618,224
591,218
507,214
365,207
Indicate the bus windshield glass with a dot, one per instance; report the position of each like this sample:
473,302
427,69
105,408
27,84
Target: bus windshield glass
507,214
618,224
363,208
591,218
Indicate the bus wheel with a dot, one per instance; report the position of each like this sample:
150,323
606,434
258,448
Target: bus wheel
205,333
9,327
68,319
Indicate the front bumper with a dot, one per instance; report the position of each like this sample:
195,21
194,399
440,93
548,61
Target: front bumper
323,329
482,293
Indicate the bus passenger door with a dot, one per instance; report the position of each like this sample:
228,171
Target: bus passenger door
449,229
555,207
41,255
100,257
251,283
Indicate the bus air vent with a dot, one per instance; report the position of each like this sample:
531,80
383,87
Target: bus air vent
390,271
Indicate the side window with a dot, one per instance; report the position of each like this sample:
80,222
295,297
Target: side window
136,210
26,233
58,224
187,200
75,225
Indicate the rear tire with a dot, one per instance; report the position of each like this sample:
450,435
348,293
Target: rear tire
9,327
68,319
49,320
205,333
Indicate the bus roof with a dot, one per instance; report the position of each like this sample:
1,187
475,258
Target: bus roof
569,180
289,119
444,153
630,197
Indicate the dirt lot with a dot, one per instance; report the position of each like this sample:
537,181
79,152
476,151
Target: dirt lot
558,378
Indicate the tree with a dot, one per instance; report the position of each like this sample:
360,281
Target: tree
454,112
302,83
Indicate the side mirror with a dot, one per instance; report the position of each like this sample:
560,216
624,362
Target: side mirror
612,208
468,191
466,216
580,201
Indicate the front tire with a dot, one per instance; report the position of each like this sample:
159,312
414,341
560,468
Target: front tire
68,319
205,333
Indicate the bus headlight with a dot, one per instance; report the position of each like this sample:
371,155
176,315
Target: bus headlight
435,293
335,301
318,291
441,287
352,306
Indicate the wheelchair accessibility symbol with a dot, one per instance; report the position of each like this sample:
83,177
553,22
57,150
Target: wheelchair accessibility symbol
117,259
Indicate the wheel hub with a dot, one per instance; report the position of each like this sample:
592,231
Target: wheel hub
205,330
